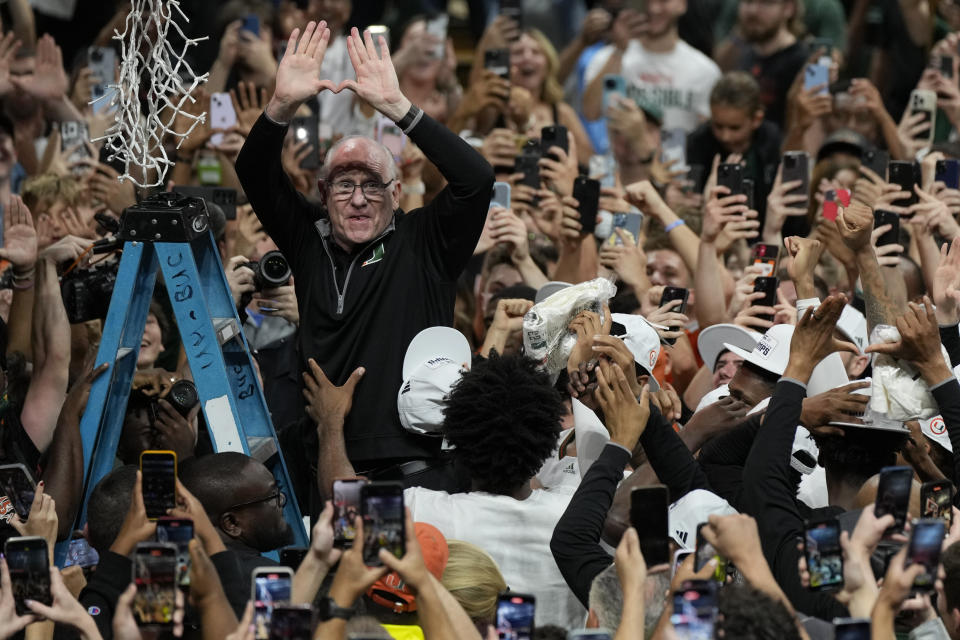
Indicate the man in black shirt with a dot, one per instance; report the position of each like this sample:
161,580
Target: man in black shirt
769,51
368,277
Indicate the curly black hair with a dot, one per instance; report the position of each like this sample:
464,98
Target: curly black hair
747,613
503,417
860,453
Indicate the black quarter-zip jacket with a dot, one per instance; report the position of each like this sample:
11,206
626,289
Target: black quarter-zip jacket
364,308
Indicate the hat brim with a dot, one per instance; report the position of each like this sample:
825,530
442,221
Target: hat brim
434,342
749,357
652,382
713,341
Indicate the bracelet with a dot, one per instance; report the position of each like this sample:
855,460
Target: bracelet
410,120
415,188
673,225
28,284
25,276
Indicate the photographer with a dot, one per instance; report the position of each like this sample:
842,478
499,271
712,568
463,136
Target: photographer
368,278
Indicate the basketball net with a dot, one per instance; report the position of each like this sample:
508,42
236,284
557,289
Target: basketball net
140,126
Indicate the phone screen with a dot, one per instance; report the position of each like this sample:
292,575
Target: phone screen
926,540
851,629
307,129
178,531
270,588
81,554
893,495
159,469
498,61
501,195
291,622
155,574
383,521
948,172
18,486
695,609
28,561
391,136
648,515
515,614
821,547
936,501
766,256
346,509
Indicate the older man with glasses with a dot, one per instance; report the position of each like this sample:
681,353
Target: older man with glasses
368,276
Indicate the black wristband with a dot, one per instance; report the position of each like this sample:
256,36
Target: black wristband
410,120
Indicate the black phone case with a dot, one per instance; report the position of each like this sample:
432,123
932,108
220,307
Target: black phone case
876,160
554,135
768,285
880,218
904,174
731,177
796,167
529,166
948,172
587,193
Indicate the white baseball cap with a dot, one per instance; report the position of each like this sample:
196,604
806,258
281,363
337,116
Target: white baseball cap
772,351
712,340
434,362
853,325
643,341
712,396
691,510
549,289
936,429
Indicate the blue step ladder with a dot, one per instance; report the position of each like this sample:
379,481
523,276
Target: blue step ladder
171,231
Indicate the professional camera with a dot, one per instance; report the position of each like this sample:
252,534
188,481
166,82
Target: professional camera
86,292
183,397
271,271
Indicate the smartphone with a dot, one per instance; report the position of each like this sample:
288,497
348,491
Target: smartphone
924,101
18,486
821,548
796,166
893,496
851,629
766,255
876,160
251,23
833,199
29,564
377,30
880,218
948,172
381,505
648,515
905,174
695,609
730,175
271,587
673,147
515,613
437,27
74,134
179,532
513,9
590,634
675,293
926,540
630,223
768,285
678,558
391,136
604,169
817,75
222,115
103,62
946,66
306,128
291,622
81,554
705,552
498,61
159,469
529,166
554,135
155,574
291,557
346,509
501,195
936,500
613,85
587,193
749,190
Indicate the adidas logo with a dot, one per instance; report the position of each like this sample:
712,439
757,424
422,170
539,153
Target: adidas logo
681,536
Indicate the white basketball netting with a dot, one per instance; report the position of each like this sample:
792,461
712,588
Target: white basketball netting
136,137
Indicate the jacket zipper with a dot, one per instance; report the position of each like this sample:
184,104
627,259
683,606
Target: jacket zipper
346,281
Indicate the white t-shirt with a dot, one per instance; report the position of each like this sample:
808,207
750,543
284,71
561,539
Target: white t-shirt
516,533
678,81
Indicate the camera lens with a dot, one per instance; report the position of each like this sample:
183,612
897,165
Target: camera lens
183,396
274,269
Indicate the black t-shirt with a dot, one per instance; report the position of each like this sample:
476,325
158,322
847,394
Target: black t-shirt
775,73
16,447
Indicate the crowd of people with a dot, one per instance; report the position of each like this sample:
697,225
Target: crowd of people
635,316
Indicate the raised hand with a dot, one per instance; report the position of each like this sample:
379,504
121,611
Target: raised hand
298,76
813,340
49,80
325,400
8,47
946,283
377,81
919,342
19,236
248,105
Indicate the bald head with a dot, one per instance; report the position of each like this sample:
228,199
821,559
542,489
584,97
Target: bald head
359,152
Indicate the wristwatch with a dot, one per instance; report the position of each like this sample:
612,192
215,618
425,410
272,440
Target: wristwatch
327,609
